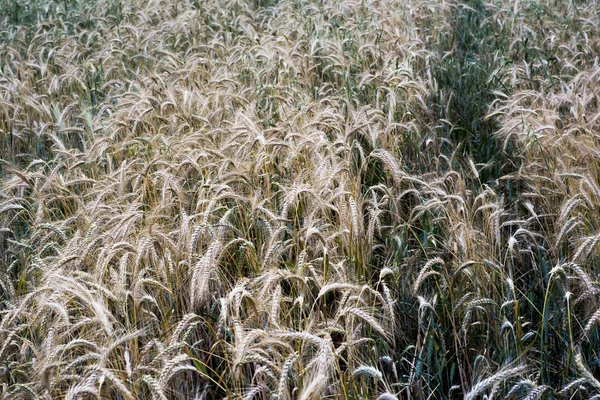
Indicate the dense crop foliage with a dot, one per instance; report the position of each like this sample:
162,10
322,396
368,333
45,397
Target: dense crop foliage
299,199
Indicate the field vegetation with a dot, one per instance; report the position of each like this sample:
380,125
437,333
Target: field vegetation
299,199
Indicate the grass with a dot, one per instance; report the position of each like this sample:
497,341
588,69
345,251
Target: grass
299,199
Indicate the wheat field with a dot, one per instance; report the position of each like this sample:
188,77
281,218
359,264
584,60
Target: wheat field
299,199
